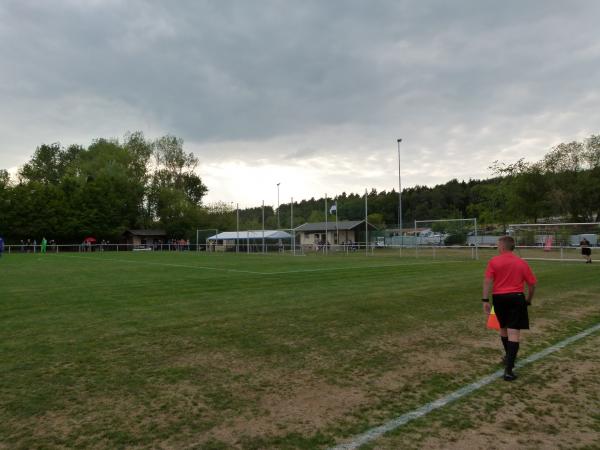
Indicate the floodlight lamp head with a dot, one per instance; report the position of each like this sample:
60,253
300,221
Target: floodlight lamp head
399,140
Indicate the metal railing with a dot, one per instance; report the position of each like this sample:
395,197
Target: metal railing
560,253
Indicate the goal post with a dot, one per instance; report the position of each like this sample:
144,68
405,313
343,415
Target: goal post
455,238
202,236
554,241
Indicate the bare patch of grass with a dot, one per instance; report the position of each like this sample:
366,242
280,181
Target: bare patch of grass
554,404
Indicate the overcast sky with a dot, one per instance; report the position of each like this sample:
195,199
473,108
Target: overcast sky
312,94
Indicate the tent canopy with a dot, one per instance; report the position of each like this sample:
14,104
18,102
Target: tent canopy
233,235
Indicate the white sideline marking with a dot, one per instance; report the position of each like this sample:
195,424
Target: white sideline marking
555,259
327,269
221,269
379,431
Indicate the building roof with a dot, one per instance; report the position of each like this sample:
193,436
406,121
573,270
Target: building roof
341,225
254,234
146,232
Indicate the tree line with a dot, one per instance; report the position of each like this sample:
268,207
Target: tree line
102,190
112,185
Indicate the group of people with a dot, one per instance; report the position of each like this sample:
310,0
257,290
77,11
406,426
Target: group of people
322,245
173,244
31,245
350,245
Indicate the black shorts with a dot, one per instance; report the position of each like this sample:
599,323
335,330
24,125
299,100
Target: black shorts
511,310
586,251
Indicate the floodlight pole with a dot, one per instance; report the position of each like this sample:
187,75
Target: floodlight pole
400,200
337,230
292,225
326,225
263,226
278,226
237,228
416,242
366,225
476,240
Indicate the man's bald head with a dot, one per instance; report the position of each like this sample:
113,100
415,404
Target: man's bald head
506,243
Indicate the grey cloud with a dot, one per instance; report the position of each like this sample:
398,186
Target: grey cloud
457,79
301,153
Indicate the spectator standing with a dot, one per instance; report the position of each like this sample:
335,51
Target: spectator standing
586,250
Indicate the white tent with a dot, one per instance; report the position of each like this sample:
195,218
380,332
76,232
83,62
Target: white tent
254,234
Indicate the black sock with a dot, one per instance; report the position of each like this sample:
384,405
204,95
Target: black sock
504,343
511,355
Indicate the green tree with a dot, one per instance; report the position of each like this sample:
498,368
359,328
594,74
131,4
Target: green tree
175,173
528,189
376,219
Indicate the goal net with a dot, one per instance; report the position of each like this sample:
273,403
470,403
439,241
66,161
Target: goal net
446,238
554,241
202,236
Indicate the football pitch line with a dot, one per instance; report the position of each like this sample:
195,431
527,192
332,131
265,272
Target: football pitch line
377,432
327,269
153,263
554,259
254,272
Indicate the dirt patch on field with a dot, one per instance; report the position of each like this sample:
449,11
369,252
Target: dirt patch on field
303,402
237,399
304,409
274,401
553,405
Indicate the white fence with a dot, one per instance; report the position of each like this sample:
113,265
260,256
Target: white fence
454,252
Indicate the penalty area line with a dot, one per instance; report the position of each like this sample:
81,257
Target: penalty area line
377,432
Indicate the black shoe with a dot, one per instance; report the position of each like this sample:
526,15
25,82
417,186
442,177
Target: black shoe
509,375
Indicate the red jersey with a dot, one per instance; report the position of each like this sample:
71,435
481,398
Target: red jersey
509,273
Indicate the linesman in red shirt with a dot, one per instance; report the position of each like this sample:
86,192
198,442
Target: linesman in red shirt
507,274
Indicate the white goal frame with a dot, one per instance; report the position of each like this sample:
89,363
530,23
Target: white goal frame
472,220
205,244
551,229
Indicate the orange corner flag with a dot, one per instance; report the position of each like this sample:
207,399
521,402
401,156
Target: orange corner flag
493,321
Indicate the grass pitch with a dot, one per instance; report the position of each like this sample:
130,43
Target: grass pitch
187,350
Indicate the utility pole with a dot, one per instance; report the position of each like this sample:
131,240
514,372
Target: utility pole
278,226
400,199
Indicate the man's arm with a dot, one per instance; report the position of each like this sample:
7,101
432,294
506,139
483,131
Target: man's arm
531,281
487,284
530,292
